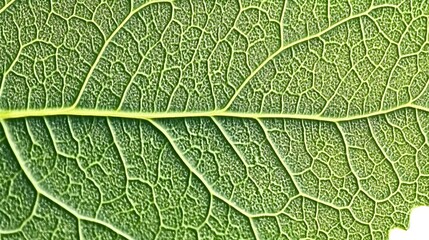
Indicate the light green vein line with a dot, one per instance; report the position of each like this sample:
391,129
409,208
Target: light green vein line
106,43
161,115
6,6
230,142
278,156
347,155
302,40
242,158
281,22
25,222
123,159
197,173
390,162
291,174
254,229
46,194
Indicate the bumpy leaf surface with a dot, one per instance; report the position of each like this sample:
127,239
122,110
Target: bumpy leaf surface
188,119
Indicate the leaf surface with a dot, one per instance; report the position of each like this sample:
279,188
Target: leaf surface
212,119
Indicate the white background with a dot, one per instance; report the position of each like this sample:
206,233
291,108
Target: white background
419,226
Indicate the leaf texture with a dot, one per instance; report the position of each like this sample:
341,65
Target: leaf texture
212,119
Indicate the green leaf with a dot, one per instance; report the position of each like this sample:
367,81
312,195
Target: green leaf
212,119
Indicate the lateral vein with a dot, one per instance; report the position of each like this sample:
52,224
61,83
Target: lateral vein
49,196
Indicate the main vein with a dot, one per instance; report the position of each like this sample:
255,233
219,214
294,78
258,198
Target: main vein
216,113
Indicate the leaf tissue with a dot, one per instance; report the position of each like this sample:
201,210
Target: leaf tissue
188,119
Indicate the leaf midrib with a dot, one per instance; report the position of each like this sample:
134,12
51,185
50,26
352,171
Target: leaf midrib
12,114
74,110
